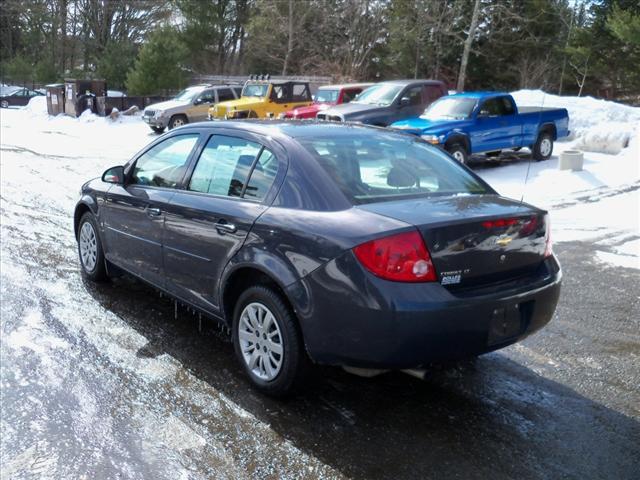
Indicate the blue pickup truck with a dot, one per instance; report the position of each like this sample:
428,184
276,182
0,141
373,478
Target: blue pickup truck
488,122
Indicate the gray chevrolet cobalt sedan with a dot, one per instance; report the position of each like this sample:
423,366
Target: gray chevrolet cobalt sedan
334,244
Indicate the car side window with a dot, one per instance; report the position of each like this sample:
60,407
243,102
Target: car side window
237,91
224,166
279,93
208,96
300,92
225,94
493,107
349,95
164,164
432,93
507,106
263,175
414,94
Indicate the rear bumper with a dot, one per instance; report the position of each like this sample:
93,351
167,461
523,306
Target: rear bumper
363,321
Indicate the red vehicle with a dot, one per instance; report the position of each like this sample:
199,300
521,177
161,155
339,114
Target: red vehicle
325,97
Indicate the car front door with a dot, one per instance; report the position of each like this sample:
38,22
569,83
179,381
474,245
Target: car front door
209,220
133,216
494,126
409,104
198,111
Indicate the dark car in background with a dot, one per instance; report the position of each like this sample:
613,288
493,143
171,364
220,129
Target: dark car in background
387,102
14,96
344,244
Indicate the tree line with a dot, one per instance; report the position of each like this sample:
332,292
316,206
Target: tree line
150,46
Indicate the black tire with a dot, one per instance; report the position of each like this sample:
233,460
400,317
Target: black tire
542,150
158,130
458,152
98,273
494,154
177,121
293,360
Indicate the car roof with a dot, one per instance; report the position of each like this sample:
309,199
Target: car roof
293,128
275,82
412,82
346,85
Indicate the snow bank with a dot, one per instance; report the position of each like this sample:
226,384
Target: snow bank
37,105
596,125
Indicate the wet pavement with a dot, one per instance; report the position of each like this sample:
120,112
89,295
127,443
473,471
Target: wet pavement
102,381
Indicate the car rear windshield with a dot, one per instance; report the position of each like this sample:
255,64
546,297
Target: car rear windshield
376,167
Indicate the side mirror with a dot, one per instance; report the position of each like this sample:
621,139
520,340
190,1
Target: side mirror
405,101
114,175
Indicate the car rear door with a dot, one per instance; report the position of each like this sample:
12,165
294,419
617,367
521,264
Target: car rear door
208,221
133,213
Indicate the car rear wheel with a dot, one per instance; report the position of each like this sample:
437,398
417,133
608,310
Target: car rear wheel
267,341
158,129
90,249
543,148
177,121
458,152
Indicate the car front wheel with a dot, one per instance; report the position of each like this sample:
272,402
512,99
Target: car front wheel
177,121
543,147
458,152
90,249
267,341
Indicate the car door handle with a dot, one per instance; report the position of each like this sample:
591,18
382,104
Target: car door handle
153,212
226,227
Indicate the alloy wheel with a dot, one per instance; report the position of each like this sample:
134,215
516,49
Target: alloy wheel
260,341
88,247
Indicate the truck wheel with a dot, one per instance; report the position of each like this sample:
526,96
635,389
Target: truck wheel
543,148
267,341
158,130
494,154
458,152
177,121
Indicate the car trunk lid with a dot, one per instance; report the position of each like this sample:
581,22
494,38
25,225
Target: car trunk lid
474,240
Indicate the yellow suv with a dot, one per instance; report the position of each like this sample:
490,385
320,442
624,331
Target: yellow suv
264,99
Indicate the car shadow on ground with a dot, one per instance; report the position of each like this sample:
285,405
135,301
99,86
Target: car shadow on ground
487,418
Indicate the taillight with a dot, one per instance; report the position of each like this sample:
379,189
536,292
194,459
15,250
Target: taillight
401,258
548,244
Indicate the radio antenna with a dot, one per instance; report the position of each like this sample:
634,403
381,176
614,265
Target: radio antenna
526,178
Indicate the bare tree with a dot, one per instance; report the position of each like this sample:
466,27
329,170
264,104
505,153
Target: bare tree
467,45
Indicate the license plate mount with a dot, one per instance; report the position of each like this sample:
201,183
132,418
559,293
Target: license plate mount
506,323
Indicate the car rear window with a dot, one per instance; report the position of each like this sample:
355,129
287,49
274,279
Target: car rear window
376,167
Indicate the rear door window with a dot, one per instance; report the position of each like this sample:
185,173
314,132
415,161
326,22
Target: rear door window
234,167
301,92
225,94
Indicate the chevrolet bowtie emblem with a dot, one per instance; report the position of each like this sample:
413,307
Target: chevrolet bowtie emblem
503,241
